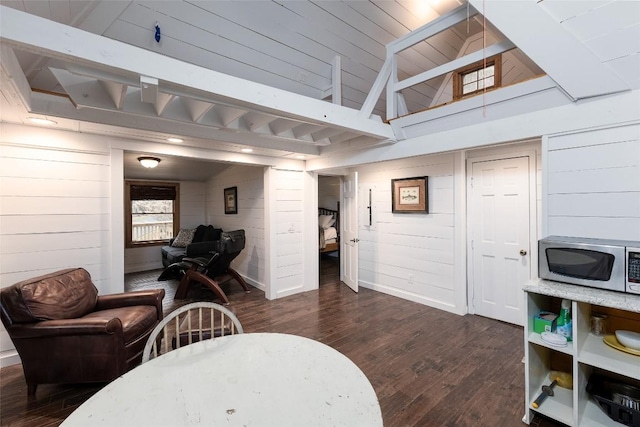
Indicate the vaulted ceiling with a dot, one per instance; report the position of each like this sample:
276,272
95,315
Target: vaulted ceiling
306,67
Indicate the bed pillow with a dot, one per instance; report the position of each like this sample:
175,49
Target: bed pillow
323,220
184,237
330,223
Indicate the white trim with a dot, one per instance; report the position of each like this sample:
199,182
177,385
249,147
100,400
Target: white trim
510,152
9,358
460,279
270,267
410,296
116,267
311,263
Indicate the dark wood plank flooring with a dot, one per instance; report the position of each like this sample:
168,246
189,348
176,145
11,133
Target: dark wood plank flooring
428,367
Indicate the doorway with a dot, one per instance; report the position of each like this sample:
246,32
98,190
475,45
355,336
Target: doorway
501,219
329,249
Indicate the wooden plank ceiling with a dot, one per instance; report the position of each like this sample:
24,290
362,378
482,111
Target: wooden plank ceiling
288,45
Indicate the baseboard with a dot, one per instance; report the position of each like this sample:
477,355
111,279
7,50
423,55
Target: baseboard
420,299
253,283
9,358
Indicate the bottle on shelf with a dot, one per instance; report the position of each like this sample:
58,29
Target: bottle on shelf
564,324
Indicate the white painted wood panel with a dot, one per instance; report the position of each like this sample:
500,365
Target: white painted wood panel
593,183
411,255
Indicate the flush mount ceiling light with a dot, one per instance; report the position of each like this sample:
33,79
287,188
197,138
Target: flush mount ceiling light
149,162
247,150
41,121
172,139
300,157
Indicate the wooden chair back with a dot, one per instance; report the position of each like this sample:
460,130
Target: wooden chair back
189,324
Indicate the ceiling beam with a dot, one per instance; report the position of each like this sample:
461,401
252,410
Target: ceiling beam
553,48
59,41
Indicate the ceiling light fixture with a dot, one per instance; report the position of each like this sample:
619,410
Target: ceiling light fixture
300,157
247,150
172,139
41,121
149,162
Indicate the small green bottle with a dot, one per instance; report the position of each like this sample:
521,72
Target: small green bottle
564,324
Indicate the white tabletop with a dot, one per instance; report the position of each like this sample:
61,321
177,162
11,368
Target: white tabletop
259,379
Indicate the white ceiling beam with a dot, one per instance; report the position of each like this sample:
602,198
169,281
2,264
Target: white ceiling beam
378,86
148,89
229,115
162,100
13,73
255,120
147,120
432,28
479,55
71,44
281,126
559,53
336,80
116,91
196,108
305,129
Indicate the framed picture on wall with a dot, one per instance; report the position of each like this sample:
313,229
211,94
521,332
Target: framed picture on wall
409,195
231,200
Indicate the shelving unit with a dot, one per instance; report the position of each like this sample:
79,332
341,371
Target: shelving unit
586,353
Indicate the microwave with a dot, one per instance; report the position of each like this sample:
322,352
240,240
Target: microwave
598,263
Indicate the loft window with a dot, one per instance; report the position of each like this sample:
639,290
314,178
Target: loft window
478,77
152,212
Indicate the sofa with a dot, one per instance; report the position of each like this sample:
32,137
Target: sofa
196,242
65,332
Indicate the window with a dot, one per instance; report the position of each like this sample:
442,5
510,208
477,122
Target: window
152,212
477,77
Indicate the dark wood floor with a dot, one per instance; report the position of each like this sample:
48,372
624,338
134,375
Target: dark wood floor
428,367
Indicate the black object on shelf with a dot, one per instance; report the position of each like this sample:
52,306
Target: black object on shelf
620,401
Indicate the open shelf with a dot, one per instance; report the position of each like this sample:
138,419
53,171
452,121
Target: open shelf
596,353
535,338
585,356
559,406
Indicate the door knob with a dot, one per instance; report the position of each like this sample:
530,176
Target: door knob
523,252
354,240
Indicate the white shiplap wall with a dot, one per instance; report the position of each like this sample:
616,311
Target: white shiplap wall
250,182
399,246
192,214
54,210
287,199
593,183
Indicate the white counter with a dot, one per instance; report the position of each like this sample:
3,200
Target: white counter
620,300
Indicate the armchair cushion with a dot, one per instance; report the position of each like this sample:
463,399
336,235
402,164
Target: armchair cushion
134,322
65,294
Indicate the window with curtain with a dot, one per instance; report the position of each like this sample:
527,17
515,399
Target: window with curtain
152,212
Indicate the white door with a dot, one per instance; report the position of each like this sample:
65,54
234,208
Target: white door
499,227
349,239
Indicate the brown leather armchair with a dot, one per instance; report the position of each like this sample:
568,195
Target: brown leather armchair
65,333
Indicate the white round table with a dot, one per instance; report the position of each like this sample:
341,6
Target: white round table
260,379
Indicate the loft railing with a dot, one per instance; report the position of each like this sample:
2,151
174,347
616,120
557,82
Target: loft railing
160,230
388,76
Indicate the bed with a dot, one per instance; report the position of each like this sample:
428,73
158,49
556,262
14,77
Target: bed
329,229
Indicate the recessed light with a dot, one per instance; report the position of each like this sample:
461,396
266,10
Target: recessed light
247,150
41,121
172,139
